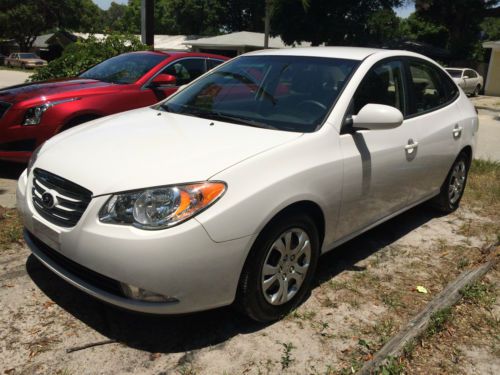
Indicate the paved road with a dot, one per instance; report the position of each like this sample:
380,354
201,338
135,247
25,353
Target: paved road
12,77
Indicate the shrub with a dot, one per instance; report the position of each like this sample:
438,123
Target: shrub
85,53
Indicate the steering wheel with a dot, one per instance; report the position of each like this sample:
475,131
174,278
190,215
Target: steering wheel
312,102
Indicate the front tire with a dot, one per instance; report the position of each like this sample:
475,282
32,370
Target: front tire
453,187
476,90
280,268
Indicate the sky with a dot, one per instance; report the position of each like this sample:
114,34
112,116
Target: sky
401,12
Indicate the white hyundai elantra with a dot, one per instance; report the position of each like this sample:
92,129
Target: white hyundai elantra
231,189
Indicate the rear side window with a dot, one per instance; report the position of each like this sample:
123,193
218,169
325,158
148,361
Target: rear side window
430,88
383,84
471,74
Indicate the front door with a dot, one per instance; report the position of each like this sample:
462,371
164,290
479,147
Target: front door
378,164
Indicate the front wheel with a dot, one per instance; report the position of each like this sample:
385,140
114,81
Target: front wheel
476,90
453,187
280,268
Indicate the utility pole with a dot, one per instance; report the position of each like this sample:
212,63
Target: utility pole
267,20
147,22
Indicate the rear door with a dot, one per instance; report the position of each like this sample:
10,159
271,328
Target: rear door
435,117
378,164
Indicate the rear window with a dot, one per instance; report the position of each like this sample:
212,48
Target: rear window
455,73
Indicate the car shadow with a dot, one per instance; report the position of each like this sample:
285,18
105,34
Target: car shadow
11,171
174,334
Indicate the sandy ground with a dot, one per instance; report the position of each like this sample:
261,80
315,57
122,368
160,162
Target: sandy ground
12,77
42,316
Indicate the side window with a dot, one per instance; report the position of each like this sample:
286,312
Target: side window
471,74
213,63
428,90
186,70
383,84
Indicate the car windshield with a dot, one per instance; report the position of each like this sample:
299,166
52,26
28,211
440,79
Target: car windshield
126,68
28,56
455,73
293,93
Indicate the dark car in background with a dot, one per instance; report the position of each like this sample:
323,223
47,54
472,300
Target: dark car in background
32,113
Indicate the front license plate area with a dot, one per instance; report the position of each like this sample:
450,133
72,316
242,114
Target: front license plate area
47,235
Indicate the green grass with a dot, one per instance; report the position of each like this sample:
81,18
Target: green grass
391,367
483,185
480,294
11,228
438,321
286,357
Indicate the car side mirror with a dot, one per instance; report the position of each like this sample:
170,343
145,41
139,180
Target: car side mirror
163,80
377,117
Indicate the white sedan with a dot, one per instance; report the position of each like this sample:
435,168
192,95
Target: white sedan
468,79
231,189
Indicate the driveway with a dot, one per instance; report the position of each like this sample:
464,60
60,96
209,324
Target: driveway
12,77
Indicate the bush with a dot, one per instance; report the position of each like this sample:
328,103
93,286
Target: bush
85,53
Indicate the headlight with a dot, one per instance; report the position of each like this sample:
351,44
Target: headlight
34,156
160,207
33,115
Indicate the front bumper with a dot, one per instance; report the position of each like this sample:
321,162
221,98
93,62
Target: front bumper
180,262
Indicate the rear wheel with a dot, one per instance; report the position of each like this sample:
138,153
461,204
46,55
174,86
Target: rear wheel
476,90
280,268
453,187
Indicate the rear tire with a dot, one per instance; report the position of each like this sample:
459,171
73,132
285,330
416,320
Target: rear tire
476,90
280,268
453,187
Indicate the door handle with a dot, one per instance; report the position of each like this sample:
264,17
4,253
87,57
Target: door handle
411,146
457,131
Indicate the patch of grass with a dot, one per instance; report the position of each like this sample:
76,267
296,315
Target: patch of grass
384,330
479,293
438,321
483,186
391,367
286,357
187,369
11,228
462,263
392,299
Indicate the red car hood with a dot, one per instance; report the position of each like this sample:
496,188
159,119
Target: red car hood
14,94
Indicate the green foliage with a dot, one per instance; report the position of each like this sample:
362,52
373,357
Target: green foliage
286,357
438,321
480,294
334,22
391,367
416,28
83,54
461,18
24,20
491,27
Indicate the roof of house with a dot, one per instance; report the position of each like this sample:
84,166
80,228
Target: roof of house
240,39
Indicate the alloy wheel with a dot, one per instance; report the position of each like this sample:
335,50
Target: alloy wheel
457,181
286,266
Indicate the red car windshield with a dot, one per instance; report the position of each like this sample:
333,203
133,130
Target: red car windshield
123,69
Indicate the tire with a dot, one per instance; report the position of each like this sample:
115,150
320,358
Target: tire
476,90
294,265
453,187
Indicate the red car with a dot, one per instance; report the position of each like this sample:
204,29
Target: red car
32,113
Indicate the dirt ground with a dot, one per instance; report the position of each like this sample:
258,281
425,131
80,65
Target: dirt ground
365,291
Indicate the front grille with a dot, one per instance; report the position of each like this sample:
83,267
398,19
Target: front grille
58,200
91,277
4,106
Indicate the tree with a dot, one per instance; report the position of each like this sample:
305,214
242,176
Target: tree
24,21
383,25
462,19
418,29
334,22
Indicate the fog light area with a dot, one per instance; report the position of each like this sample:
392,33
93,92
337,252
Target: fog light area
139,294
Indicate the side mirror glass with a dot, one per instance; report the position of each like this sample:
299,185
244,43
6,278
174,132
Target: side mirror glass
163,80
377,117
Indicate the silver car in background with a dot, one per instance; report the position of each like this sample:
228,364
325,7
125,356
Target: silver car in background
468,79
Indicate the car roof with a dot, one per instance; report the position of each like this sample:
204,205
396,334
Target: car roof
450,68
353,53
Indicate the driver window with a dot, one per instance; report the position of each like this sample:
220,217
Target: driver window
186,70
383,84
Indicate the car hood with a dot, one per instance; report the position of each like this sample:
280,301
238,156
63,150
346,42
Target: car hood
14,94
144,148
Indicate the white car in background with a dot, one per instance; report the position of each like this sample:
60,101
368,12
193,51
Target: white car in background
231,189
468,79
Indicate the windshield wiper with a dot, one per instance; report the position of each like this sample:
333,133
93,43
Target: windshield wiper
228,118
